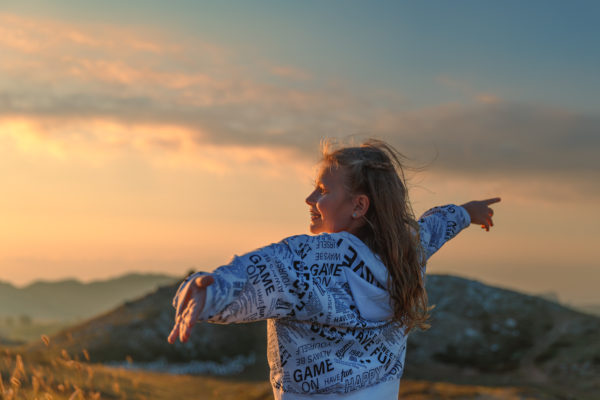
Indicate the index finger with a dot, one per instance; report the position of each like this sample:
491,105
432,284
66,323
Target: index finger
491,201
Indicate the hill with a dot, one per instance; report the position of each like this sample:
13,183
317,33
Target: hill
593,309
137,330
72,299
480,335
500,336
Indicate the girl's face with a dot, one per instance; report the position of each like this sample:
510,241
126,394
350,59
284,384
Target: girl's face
331,205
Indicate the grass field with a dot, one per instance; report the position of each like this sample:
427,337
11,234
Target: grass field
57,375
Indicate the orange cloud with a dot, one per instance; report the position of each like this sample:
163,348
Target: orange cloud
291,72
46,36
467,89
100,142
488,98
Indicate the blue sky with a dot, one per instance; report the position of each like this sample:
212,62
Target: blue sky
540,51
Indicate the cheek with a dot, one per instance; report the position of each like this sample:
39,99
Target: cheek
322,206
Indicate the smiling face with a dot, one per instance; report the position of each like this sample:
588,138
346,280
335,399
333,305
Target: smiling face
332,207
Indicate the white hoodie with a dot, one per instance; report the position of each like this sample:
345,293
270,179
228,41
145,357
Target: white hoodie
330,333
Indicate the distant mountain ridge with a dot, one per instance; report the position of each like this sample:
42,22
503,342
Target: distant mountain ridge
71,299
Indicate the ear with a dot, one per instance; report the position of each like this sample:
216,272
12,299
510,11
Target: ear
361,205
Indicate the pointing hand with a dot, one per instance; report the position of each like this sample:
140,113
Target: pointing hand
480,212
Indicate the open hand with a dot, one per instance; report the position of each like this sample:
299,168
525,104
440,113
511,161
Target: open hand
480,212
189,306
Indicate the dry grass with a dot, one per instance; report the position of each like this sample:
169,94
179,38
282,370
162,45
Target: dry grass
423,390
57,375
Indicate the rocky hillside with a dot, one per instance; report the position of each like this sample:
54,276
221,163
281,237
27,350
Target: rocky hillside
479,334
502,336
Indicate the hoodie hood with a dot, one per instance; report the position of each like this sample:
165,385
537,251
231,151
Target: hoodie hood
368,283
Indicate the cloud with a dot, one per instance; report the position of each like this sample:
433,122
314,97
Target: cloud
290,72
47,37
500,137
468,90
116,87
100,142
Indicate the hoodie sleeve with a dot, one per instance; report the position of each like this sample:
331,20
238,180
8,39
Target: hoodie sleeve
301,277
440,224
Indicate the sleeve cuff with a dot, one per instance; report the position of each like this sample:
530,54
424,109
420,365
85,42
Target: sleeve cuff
466,217
205,314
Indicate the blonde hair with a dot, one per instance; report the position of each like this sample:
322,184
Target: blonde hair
390,229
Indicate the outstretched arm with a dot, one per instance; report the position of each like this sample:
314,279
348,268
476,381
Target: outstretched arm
303,277
440,224
480,212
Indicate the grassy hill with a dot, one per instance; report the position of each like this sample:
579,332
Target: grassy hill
64,376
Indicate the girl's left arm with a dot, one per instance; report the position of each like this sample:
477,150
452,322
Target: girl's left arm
440,224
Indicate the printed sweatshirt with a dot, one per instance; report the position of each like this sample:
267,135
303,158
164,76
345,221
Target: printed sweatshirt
330,332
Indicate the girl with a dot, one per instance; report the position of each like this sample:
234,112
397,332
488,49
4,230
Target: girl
340,303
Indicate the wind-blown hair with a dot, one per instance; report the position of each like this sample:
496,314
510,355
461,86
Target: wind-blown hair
390,229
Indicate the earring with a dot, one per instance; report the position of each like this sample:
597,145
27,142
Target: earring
354,215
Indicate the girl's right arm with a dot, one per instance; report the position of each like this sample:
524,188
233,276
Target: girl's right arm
275,281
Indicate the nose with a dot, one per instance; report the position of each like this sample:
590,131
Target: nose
311,200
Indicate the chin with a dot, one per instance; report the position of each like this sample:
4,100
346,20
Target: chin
315,229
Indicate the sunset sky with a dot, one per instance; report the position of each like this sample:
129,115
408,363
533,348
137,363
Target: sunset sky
167,136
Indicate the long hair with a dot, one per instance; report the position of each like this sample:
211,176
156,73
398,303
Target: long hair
390,229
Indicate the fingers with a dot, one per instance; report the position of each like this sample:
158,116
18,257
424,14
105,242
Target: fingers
184,298
491,201
184,323
188,320
189,291
190,304
487,219
487,224
174,333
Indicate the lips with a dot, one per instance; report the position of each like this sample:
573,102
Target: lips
314,214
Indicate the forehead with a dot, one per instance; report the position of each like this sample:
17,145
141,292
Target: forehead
328,173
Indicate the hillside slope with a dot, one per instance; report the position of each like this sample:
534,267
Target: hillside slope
137,330
480,334
501,336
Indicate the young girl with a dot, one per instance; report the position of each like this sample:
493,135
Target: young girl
340,303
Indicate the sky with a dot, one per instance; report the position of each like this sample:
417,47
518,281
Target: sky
163,137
